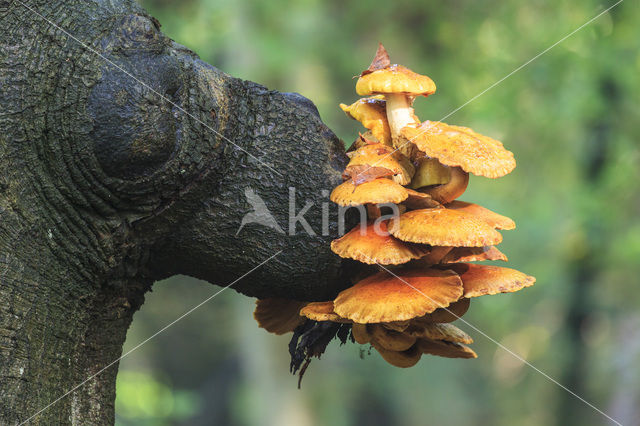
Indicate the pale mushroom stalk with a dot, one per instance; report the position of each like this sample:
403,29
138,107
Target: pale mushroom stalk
399,112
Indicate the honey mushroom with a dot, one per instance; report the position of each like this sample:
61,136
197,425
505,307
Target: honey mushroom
424,281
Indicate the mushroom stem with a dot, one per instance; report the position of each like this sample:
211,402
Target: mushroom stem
399,112
373,211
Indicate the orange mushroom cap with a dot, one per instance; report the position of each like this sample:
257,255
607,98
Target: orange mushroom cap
322,311
473,254
380,190
384,297
278,316
373,116
395,79
445,349
480,280
369,246
496,220
443,227
461,146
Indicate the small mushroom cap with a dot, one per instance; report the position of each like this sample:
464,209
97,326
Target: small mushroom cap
496,220
380,190
438,331
385,298
461,146
278,316
473,254
443,227
480,280
445,349
390,339
403,359
322,311
395,79
371,247
381,156
371,112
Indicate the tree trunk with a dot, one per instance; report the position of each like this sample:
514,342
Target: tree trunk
124,159
586,267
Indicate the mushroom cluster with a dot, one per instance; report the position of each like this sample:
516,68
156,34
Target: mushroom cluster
420,279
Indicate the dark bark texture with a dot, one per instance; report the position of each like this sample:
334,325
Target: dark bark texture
120,170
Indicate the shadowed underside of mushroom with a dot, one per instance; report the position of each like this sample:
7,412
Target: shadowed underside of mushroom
473,254
415,279
278,316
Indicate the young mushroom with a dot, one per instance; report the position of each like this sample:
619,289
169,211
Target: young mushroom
400,86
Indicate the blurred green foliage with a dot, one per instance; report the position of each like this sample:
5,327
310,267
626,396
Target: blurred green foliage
572,119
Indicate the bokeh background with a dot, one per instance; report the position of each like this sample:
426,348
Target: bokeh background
572,119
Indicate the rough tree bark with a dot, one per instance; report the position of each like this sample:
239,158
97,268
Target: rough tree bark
107,185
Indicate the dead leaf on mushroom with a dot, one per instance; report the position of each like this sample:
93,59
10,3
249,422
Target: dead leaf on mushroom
380,61
363,173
